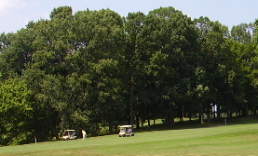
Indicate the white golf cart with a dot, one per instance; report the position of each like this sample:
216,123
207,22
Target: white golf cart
126,131
69,134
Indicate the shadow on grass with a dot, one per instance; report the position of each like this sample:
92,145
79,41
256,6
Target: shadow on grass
196,124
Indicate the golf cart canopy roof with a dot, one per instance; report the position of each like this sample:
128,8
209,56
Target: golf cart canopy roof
70,130
125,126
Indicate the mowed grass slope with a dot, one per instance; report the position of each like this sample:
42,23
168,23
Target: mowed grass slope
234,140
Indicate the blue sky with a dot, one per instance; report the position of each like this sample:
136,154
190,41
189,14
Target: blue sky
15,14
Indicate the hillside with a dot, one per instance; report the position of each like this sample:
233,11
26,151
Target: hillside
240,139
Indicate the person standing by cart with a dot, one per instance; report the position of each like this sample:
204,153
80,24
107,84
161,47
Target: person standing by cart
84,134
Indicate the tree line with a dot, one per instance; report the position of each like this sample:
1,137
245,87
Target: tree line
93,69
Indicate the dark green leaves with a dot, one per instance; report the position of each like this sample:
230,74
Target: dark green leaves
95,70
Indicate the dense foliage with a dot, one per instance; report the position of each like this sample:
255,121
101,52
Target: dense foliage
95,69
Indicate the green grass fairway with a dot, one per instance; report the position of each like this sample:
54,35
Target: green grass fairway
234,140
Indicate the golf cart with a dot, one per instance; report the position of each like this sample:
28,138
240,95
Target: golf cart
125,131
69,135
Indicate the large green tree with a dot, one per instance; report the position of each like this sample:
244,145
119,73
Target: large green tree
15,112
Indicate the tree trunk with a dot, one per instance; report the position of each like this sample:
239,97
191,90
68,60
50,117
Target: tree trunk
208,117
169,121
137,122
149,123
254,112
201,115
202,122
131,103
142,123
110,128
218,112
182,115
229,115
245,112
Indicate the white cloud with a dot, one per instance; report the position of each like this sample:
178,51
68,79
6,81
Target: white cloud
6,5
